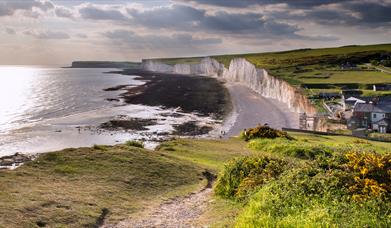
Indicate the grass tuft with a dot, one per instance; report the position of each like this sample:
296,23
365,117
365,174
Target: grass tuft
134,143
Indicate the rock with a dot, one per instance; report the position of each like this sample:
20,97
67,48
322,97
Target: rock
16,159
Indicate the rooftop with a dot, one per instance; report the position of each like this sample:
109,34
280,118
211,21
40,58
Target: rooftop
371,107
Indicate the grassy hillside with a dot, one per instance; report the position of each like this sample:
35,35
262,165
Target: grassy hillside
294,182
281,182
77,187
273,60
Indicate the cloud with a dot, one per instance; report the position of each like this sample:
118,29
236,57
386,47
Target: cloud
356,13
251,3
8,8
175,16
57,35
132,40
82,35
95,12
186,18
61,11
371,12
10,31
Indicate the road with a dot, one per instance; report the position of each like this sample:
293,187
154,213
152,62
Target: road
252,109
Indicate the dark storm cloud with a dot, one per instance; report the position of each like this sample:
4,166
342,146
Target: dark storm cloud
93,12
8,8
133,40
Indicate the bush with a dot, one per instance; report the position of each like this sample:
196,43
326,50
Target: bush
263,131
312,197
386,63
372,175
135,143
343,185
242,175
374,62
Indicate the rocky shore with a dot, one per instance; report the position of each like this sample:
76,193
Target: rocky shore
15,160
206,96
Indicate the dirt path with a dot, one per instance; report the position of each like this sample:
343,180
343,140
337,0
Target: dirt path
177,212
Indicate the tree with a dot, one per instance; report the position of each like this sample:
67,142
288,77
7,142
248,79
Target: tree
374,62
386,63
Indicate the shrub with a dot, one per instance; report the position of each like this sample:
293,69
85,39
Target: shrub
263,131
372,175
374,62
311,197
134,143
242,175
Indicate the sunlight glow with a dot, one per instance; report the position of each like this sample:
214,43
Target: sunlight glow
16,89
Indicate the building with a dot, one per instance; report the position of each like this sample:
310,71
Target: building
371,115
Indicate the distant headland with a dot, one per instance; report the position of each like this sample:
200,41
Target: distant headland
104,64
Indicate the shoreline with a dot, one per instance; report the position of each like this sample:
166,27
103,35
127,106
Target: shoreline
227,120
193,120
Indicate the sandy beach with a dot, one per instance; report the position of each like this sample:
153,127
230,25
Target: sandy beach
251,109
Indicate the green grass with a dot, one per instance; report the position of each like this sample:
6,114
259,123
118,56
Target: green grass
255,211
70,188
210,154
273,60
313,190
341,77
135,143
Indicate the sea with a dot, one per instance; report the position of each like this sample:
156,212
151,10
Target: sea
47,108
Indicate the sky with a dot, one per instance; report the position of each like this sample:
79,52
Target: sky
59,31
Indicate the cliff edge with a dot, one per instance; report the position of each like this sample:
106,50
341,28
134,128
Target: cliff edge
243,72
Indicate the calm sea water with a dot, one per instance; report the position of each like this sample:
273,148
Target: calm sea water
31,94
43,108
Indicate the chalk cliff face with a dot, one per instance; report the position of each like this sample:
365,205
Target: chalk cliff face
244,72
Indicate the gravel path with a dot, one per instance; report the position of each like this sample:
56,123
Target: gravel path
177,212
251,109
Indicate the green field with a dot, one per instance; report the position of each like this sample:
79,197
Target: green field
344,77
273,60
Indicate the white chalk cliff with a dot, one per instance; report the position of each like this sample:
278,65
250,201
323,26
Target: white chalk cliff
244,72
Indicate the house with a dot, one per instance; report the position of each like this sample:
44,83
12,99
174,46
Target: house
352,101
371,115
